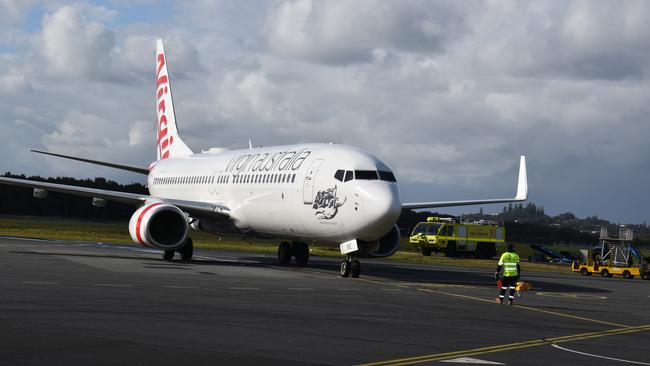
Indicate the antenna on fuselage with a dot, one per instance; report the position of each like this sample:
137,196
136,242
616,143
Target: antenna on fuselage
250,144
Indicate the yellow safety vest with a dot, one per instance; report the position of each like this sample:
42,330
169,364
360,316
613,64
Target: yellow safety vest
509,262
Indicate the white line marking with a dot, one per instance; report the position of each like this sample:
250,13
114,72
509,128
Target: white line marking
171,286
300,289
111,285
598,356
470,360
243,288
349,289
39,283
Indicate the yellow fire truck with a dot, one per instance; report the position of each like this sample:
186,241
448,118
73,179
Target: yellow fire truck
479,239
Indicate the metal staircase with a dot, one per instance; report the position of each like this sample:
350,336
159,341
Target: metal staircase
616,251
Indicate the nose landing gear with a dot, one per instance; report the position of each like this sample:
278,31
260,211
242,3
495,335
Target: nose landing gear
350,267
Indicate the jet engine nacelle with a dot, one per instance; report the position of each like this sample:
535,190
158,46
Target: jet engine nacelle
384,247
159,225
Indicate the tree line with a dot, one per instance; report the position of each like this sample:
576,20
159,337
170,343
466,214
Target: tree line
20,200
524,223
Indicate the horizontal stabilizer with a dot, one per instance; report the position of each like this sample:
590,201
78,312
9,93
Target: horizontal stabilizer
131,168
522,194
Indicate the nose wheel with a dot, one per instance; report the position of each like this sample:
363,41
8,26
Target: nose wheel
350,267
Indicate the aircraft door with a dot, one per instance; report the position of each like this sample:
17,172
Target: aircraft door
308,184
216,184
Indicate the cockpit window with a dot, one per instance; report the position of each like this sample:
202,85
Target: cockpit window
388,176
349,175
366,174
339,175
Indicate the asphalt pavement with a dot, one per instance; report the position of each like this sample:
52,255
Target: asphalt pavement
96,304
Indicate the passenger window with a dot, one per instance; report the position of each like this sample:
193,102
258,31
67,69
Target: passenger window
366,174
339,175
349,175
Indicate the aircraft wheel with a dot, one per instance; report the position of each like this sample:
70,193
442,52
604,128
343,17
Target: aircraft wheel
187,250
604,273
627,275
645,276
426,251
355,269
301,252
584,272
345,268
284,253
168,255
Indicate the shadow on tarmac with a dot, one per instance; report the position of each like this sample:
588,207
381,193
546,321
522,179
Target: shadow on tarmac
390,272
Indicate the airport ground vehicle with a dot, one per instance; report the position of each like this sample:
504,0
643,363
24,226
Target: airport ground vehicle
479,239
544,254
615,256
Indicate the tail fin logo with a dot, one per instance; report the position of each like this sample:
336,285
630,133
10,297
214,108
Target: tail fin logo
162,89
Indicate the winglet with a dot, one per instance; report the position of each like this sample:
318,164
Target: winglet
522,185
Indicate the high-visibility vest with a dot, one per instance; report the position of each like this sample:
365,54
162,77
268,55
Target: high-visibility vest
509,262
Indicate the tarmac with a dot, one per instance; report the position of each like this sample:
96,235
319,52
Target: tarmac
98,304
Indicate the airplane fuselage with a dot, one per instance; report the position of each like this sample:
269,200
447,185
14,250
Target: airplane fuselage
312,192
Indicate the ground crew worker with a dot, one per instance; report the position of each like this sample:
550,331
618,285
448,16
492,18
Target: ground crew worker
509,262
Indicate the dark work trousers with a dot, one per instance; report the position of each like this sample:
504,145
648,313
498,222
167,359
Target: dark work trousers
508,283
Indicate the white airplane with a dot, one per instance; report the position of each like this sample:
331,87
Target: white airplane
308,193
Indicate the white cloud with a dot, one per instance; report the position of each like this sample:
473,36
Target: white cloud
141,133
74,46
12,12
348,31
447,93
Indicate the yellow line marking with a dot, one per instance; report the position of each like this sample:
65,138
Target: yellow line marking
570,316
528,308
456,295
490,301
571,295
508,347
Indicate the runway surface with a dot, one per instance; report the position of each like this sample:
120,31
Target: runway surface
94,304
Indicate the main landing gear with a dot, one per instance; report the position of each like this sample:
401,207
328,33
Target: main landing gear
298,250
186,251
350,267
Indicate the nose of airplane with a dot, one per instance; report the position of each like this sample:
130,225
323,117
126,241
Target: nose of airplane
382,206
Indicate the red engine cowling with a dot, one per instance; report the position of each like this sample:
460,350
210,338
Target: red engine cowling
159,225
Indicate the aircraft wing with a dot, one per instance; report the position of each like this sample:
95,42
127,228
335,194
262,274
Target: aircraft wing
522,194
130,168
194,208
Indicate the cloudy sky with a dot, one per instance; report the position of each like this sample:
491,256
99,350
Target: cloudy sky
447,93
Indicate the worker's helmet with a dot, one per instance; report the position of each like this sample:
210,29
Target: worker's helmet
511,248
